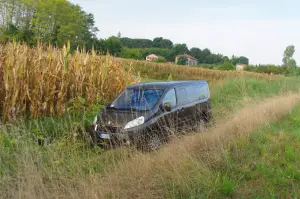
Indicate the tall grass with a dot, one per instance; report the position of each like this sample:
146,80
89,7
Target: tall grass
52,154
43,81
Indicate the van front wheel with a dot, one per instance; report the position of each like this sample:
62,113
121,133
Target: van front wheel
152,143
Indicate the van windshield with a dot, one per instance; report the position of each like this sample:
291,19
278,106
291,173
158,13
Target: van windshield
137,99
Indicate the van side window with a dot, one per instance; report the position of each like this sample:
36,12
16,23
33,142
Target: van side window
193,93
170,97
182,96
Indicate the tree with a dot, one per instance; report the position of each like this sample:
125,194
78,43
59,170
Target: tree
234,60
55,21
136,43
132,53
113,46
160,42
196,52
292,63
226,66
243,60
203,58
226,60
181,49
182,60
288,56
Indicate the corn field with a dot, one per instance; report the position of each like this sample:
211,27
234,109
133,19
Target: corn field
43,81
162,71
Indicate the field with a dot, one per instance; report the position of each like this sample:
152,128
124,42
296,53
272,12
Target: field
167,70
250,152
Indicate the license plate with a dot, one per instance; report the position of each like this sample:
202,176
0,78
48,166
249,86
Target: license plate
104,136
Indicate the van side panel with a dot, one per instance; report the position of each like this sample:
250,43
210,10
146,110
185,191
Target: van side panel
193,103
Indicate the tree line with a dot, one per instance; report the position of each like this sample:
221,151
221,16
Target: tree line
139,48
56,22
288,67
59,21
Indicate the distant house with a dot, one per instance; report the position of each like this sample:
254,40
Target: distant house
240,66
191,61
153,57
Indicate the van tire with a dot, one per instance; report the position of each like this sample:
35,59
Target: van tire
151,143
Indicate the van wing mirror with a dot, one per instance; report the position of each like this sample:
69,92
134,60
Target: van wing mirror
167,107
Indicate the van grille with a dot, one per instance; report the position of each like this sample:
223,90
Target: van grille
111,129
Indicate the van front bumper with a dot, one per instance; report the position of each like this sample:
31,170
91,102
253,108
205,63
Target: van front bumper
121,137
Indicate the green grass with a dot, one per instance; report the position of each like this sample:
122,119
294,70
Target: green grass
265,165
234,92
268,165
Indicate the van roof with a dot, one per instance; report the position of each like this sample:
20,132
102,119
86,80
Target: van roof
165,85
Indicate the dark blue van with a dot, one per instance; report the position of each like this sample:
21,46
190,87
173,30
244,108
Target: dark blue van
147,114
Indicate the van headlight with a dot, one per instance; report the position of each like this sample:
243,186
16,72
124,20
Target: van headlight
135,123
95,120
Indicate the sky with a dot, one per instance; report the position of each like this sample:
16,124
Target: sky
257,29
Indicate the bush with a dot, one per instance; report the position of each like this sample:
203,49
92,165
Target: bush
160,60
133,53
225,66
181,61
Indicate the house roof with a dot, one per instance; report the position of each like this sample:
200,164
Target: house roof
152,55
155,55
186,56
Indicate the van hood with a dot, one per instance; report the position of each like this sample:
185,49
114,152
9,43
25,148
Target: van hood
117,118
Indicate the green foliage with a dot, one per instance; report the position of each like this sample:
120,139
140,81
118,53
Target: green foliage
160,42
113,46
292,63
136,43
181,49
273,69
141,53
227,188
182,61
160,60
243,60
157,42
288,55
225,66
234,60
54,22
132,53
